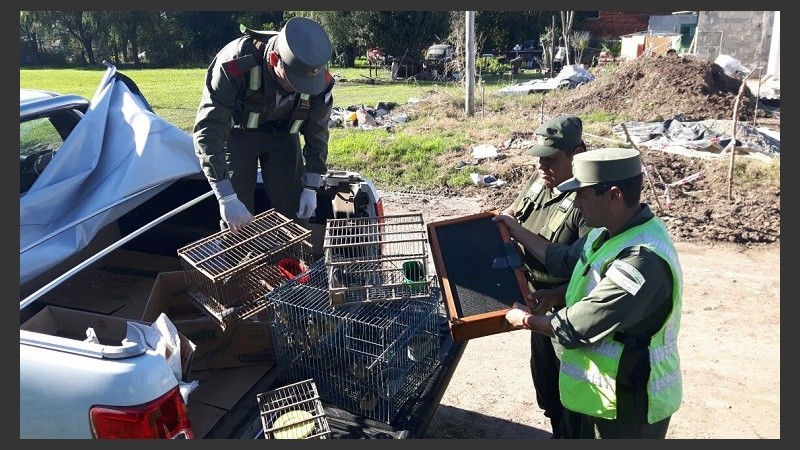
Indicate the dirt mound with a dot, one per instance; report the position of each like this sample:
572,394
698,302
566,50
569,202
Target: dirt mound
657,88
692,195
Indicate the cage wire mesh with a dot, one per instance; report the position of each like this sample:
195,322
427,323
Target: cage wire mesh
376,259
229,273
369,359
293,411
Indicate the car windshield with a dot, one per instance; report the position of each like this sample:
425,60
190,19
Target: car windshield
39,140
36,136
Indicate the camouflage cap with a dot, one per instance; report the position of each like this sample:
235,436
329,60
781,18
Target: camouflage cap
556,134
602,166
305,50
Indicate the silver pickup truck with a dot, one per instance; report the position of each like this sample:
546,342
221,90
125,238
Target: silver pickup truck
109,192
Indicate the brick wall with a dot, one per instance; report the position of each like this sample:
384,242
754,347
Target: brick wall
613,24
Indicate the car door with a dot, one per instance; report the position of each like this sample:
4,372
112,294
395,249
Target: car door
42,133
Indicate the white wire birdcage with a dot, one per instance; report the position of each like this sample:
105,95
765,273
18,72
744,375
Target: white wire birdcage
293,411
369,359
376,259
229,273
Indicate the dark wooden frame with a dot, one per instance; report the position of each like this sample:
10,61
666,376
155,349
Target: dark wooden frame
482,323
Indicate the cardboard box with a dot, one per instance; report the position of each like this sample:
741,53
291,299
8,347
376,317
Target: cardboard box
73,324
244,343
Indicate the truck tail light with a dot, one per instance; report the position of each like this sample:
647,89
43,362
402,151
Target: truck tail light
379,208
163,418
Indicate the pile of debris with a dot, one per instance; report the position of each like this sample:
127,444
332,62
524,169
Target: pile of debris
656,88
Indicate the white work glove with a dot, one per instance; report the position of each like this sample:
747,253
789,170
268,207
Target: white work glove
516,315
234,213
308,203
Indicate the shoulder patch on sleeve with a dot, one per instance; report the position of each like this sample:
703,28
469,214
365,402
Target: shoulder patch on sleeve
239,66
329,82
625,276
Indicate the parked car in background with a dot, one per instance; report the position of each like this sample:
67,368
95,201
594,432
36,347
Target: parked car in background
437,61
109,191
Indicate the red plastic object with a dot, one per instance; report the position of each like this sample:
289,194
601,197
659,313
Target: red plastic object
290,268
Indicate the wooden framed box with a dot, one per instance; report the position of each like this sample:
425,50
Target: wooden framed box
480,272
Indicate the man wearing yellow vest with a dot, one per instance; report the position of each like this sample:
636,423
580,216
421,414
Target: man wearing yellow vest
261,91
620,371
550,213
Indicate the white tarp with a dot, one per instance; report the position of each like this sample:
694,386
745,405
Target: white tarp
118,149
569,77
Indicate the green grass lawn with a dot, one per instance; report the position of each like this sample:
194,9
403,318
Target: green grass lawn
175,93
405,157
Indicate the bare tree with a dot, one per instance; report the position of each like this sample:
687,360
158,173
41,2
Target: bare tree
546,40
566,28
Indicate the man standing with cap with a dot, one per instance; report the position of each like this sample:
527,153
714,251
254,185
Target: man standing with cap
620,369
550,213
260,92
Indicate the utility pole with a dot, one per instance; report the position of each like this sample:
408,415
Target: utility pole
469,75
553,49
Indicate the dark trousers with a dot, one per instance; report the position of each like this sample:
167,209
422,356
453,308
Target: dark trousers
544,370
281,162
631,421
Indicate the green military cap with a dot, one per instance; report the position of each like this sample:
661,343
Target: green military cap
305,50
556,134
602,166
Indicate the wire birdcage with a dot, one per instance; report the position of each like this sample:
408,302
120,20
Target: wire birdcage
376,259
293,411
229,273
368,359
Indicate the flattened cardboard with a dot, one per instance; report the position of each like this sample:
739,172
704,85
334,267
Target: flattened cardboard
99,291
477,290
140,263
120,284
227,386
246,342
202,416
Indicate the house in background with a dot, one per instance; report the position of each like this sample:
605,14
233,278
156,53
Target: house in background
679,22
648,43
674,31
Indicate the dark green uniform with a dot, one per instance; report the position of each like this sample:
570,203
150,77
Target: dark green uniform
231,144
632,318
550,214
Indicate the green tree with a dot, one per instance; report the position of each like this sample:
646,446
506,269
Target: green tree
31,34
83,26
346,29
165,40
126,27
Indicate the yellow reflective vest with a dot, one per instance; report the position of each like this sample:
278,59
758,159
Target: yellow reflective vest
588,375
